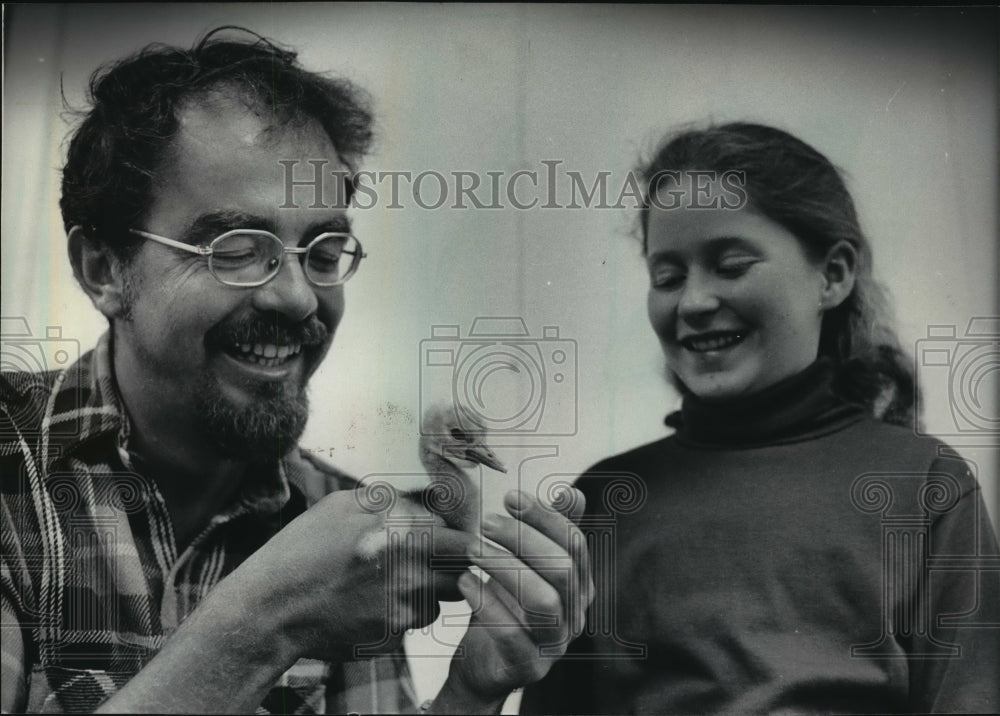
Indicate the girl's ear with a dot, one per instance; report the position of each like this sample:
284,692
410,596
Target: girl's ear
839,268
99,273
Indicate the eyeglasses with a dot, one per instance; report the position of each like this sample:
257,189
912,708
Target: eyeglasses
250,257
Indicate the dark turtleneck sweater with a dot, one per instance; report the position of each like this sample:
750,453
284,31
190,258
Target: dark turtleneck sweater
784,553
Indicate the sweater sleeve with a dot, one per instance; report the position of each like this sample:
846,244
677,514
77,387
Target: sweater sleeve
962,574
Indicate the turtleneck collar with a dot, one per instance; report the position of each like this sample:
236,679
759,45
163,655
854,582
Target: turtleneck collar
800,407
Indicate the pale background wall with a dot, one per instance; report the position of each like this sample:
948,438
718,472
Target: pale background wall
905,100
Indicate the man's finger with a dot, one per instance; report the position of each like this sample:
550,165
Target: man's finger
448,542
546,579
533,597
557,522
535,517
536,528
494,608
534,549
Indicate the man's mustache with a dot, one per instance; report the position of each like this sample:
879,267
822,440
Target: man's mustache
274,329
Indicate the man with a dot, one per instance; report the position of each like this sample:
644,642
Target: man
174,551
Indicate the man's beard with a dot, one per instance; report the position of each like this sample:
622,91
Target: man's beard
263,430
270,424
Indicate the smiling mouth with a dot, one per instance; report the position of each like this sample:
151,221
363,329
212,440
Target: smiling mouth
267,355
714,341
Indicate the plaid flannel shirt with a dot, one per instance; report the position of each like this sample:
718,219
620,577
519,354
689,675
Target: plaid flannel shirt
92,583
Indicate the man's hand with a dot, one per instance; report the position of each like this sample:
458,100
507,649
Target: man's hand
322,579
316,589
536,597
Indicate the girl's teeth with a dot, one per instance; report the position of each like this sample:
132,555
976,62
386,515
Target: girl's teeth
713,344
270,351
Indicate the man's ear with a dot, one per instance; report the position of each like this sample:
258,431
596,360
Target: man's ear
839,272
99,273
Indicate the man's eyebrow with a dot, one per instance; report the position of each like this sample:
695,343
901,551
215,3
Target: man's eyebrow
208,226
335,224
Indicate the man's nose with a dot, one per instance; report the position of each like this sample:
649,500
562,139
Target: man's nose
698,296
289,292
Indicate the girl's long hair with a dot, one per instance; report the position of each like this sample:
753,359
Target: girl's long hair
794,185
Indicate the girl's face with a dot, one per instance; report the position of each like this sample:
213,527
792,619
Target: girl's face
733,297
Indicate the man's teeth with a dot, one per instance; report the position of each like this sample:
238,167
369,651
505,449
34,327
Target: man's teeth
267,354
714,342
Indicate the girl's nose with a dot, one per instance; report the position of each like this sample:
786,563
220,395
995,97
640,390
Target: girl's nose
698,296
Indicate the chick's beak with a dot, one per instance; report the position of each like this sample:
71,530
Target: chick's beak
484,456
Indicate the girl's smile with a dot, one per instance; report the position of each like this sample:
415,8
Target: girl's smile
735,300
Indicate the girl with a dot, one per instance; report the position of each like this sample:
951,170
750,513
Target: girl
793,546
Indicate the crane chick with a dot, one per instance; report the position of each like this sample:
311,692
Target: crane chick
451,453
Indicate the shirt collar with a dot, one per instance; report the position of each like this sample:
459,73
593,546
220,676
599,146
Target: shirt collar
85,404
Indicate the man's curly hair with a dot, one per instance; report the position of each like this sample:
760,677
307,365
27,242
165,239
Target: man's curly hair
125,136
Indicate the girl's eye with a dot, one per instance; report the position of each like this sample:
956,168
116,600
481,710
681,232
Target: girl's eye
667,280
734,268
